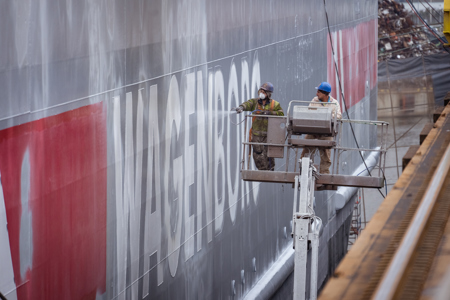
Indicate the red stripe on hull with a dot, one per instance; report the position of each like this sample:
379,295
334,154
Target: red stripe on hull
356,56
67,201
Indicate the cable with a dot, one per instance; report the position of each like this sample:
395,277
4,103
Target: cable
238,123
342,93
439,14
430,11
425,23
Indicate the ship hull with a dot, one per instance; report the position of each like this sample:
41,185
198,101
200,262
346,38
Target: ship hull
120,158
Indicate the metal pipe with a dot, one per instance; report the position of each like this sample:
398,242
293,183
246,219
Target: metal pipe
245,137
343,194
266,287
249,148
360,149
339,144
266,144
382,147
391,278
334,160
265,116
288,152
295,208
385,149
295,164
314,266
366,122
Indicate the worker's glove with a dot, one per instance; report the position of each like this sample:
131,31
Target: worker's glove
239,109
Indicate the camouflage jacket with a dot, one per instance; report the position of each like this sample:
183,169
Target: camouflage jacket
259,124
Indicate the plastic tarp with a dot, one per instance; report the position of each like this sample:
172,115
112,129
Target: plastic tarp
437,66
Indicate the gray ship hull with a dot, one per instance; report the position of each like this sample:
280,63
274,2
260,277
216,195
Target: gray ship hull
120,159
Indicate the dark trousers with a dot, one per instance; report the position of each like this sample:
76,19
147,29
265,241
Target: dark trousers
262,162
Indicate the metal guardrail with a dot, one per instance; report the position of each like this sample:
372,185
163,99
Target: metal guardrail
292,142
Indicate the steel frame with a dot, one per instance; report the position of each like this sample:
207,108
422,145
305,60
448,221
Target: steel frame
330,182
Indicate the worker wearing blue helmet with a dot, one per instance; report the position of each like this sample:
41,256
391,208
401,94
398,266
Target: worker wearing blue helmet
322,99
265,105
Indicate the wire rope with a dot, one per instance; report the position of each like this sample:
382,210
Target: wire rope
425,22
342,93
429,11
433,8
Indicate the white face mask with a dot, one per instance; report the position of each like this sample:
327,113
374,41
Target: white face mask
262,96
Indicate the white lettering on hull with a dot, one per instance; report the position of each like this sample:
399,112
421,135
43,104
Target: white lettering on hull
173,185
193,172
26,219
256,83
204,181
233,186
189,220
121,208
219,171
152,232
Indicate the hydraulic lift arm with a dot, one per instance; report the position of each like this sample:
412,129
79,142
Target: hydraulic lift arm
306,229
285,132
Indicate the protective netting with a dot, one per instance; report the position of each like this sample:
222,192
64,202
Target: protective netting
410,76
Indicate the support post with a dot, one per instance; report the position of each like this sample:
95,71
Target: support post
314,264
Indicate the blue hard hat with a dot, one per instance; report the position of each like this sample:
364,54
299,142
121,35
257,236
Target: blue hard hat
268,87
324,86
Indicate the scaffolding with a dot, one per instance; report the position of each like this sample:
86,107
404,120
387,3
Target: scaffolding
359,220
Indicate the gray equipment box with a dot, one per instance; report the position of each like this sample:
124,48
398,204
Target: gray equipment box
276,133
312,120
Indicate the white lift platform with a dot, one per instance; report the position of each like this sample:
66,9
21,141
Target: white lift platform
284,132
306,229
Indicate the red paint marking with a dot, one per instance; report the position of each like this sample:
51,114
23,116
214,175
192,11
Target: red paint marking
357,62
67,201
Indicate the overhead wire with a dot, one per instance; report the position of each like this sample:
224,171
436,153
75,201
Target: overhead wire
433,8
425,23
342,93
429,11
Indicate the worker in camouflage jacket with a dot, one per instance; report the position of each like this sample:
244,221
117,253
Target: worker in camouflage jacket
265,105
